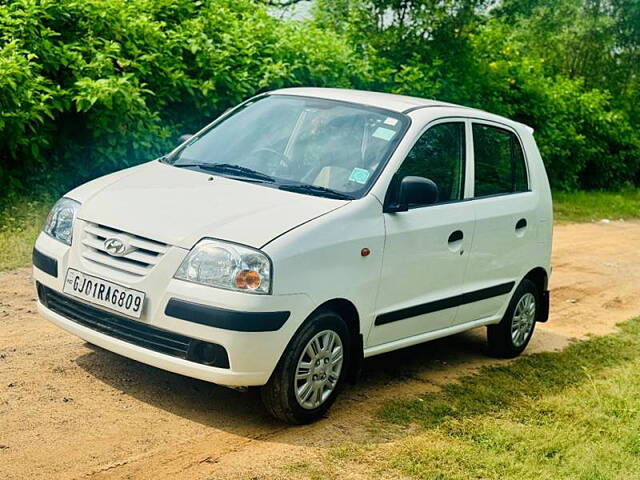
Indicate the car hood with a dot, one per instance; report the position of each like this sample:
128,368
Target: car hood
179,207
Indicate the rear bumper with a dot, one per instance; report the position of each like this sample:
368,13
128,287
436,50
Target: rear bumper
252,329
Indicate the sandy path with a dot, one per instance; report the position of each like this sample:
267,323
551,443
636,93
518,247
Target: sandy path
69,411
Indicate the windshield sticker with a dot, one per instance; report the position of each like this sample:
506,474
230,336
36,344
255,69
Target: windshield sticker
391,121
385,134
359,175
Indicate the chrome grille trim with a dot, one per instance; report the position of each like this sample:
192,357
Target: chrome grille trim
138,262
136,241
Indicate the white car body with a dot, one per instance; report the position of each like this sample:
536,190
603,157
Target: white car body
421,286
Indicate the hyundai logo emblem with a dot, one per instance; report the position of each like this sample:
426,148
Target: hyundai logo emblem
116,247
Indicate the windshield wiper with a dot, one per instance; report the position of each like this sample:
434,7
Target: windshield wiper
315,190
233,170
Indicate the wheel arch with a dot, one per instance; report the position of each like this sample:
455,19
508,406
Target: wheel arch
539,276
349,313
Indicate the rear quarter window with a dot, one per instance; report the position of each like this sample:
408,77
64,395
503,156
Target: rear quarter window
499,162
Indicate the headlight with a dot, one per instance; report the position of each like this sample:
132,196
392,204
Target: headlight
59,223
227,265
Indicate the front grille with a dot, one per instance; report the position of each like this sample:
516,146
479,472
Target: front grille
144,255
134,332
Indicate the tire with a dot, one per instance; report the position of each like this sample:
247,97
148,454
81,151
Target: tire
502,339
280,395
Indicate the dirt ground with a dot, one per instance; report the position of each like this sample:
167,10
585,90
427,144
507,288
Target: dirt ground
68,410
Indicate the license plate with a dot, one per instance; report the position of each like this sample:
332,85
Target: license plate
106,294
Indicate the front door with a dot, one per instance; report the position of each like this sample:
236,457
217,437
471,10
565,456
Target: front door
426,247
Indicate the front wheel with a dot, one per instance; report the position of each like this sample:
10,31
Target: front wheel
311,371
511,336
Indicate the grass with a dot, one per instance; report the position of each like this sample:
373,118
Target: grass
530,377
20,224
593,206
573,414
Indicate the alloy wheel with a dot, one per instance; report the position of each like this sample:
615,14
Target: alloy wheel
318,369
524,317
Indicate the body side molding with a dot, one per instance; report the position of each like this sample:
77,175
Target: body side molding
444,303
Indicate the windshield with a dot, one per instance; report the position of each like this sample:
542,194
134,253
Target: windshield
314,145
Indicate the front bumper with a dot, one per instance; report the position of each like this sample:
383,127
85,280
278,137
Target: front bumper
252,355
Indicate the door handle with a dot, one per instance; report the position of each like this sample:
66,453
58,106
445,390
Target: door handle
456,236
521,224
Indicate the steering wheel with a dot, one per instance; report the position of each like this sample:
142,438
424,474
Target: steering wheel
267,160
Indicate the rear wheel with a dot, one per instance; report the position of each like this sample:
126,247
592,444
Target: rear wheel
311,371
511,336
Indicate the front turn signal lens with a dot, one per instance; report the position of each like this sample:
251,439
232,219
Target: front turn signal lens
248,279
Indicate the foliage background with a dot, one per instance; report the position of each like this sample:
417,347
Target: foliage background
91,86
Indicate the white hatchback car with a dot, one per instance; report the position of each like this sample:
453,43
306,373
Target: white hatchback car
302,231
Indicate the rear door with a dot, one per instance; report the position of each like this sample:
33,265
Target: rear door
425,254
505,213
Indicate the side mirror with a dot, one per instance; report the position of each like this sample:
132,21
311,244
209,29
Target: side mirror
185,138
413,191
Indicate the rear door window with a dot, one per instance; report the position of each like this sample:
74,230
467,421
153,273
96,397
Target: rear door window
499,162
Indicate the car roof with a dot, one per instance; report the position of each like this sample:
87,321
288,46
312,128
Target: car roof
388,101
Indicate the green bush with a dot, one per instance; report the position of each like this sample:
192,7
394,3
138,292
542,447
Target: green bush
584,141
90,86
462,52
